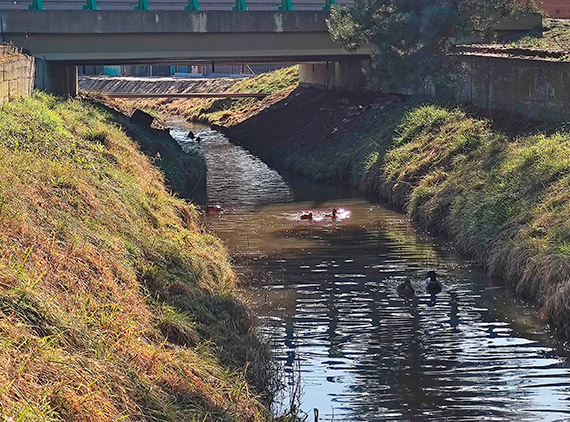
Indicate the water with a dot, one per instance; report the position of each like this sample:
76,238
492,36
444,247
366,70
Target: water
325,293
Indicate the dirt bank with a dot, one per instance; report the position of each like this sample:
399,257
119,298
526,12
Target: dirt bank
224,111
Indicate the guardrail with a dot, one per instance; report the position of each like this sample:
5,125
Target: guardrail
192,5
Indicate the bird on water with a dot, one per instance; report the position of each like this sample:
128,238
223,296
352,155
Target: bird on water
405,290
433,286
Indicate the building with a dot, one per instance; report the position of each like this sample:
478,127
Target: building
559,9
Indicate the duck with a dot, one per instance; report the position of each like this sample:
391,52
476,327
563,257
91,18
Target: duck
307,216
190,135
433,286
214,209
405,290
198,140
333,214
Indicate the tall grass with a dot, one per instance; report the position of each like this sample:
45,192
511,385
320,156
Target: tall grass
114,304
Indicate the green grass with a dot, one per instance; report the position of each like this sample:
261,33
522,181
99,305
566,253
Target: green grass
229,111
114,304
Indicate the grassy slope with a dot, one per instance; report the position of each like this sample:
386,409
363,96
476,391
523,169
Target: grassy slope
504,199
185,173
114,305
222,111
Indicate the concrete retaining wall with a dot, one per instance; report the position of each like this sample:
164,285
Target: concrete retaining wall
16,73
535,88
346,75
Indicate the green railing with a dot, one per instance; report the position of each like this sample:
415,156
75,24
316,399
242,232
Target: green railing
192,5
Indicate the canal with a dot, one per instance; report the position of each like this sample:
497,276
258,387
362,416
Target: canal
345,342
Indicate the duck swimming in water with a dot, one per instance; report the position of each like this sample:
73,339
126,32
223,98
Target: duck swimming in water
405,290
333,214
433,286
307,216
214,209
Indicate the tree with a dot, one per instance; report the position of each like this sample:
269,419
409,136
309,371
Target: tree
414,39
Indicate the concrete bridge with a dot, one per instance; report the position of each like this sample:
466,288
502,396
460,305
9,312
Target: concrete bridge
62,39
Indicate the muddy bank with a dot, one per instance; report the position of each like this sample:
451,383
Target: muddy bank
320,135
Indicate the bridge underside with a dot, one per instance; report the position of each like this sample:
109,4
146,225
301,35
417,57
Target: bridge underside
61,40
181,48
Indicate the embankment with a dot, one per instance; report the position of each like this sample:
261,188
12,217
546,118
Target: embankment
115,305
499,188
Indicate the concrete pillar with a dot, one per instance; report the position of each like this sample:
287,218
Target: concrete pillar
56,77
346,75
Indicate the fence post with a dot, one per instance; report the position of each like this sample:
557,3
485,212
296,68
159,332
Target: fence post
143,5
90,5
329,4
240,5
36,5
192,6
285,5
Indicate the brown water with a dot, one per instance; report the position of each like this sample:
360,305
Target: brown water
329,309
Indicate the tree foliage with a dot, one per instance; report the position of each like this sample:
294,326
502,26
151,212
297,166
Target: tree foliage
413,39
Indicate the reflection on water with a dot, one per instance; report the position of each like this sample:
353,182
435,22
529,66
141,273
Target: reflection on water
329,306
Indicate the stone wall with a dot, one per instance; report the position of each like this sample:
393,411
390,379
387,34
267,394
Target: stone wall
535,88
16,73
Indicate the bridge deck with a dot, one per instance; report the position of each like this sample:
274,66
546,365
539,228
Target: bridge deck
164,4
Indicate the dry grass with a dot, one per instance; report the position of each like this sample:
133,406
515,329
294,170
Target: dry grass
113,303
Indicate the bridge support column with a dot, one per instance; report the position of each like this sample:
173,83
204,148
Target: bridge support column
346,75
57,78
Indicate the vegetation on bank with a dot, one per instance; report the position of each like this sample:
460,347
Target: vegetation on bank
185,173
221,111
114,304
504,199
